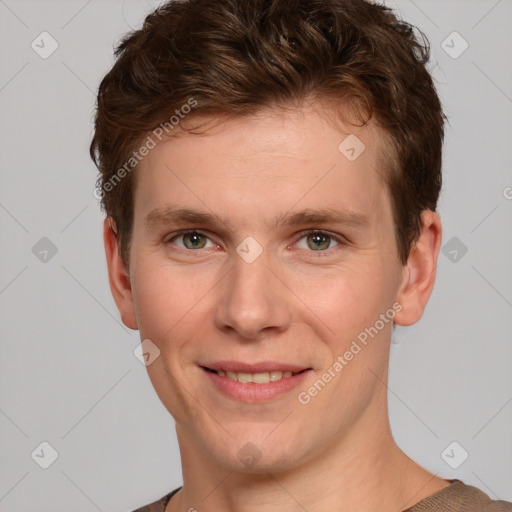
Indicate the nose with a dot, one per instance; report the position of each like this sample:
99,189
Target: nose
253,299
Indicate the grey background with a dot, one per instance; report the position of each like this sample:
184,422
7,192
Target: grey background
68,375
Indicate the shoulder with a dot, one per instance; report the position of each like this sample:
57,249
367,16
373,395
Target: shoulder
158,505
472,498
459,497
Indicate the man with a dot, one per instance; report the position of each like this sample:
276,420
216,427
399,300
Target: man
270,173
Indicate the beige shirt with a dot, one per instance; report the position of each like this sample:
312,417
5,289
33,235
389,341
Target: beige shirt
457,497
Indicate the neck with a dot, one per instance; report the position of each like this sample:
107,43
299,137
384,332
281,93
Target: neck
363,470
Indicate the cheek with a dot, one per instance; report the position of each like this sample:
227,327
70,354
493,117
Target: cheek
349,298
169,302
158,300
349,304
167,308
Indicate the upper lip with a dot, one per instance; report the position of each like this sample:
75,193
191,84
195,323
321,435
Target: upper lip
262,366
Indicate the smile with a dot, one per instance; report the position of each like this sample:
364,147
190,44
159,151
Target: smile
254,387
257,378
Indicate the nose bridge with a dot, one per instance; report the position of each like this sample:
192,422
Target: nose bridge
252,298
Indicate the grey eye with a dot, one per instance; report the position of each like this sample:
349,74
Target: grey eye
191,240
318,241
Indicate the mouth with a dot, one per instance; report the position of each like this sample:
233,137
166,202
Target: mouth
253,387
264,377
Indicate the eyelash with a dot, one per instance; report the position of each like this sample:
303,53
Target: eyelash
339,239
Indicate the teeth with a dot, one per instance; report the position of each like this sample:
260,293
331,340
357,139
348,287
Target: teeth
257,378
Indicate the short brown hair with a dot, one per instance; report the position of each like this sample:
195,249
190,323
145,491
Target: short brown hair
235,57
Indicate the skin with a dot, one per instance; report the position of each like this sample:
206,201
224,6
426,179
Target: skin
295,303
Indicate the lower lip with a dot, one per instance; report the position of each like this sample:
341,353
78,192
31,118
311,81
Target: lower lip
255,393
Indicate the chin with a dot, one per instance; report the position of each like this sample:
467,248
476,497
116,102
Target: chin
258,453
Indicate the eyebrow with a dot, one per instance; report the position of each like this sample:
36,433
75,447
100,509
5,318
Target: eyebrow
169,215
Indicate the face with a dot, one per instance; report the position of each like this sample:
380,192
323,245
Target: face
288,257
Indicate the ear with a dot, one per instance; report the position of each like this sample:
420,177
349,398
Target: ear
118,276
419,273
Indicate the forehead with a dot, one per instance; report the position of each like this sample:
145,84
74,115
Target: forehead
266,164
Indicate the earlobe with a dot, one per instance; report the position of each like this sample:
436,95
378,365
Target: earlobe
420,271
118,276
